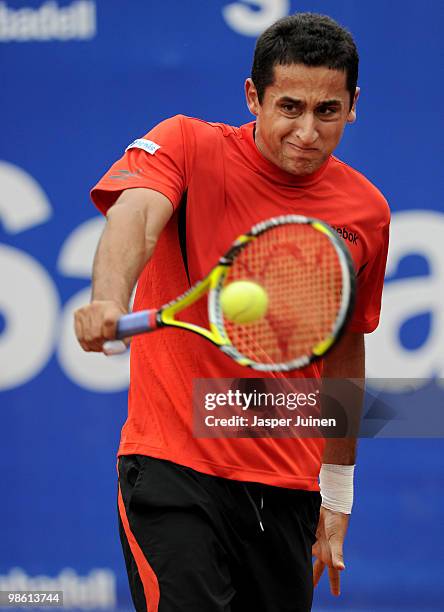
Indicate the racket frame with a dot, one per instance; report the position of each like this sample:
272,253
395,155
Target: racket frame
214,282
215,313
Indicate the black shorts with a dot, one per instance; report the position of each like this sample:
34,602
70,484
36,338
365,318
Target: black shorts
198,543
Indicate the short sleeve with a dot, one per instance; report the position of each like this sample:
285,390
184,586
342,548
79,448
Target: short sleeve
156,161
370,281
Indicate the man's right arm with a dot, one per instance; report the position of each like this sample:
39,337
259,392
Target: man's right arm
133,226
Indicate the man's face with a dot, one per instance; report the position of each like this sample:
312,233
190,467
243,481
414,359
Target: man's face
302,116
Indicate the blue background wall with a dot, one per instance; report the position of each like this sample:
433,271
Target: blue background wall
81,80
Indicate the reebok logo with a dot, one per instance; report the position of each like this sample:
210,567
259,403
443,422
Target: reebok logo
347,234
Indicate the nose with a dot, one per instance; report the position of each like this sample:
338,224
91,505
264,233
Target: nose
306,131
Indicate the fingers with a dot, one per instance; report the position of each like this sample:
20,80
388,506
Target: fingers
96,323
328,548
78,328
337,556
337,562
334,576
318,570
335,581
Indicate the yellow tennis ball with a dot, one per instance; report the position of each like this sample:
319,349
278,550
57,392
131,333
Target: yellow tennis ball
244,301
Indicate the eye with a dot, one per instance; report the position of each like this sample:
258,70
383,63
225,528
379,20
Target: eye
327,111
290,107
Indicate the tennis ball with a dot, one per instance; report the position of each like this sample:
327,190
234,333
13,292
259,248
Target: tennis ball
244,301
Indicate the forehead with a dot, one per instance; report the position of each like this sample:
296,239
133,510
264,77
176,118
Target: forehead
309,83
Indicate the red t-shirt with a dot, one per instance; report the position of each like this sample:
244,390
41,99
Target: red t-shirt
229,187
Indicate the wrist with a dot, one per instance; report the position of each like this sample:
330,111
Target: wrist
336,484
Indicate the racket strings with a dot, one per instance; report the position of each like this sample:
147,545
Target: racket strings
299,269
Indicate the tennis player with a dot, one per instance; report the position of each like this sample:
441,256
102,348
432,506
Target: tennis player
212,525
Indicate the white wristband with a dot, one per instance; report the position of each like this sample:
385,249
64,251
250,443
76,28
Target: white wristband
336,482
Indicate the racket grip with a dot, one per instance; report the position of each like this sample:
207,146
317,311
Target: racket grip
136,323
114,347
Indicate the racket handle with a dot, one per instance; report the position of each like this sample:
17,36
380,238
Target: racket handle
130,325
136,323
114,347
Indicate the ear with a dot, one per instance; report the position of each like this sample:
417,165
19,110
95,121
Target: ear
252,97
352,114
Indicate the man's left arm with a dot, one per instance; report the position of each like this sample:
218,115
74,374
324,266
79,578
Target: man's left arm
346,360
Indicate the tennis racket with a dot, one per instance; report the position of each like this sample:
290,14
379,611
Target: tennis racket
308,275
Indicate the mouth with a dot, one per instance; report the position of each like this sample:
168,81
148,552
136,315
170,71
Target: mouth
302,149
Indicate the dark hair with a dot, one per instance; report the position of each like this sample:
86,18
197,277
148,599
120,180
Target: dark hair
304,38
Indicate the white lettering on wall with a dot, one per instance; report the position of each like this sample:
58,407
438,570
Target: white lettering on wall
93,371
252,17
412,232
48,22
29,302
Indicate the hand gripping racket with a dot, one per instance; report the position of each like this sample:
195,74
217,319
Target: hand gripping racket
308,275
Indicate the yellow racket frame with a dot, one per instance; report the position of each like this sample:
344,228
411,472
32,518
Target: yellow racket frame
213,284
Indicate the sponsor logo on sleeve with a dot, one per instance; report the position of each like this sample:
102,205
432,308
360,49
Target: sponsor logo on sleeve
123,175
147,145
